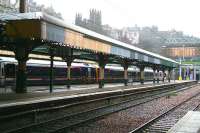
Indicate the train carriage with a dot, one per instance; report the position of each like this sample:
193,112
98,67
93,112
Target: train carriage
81,73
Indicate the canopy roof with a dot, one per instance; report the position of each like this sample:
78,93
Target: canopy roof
62,30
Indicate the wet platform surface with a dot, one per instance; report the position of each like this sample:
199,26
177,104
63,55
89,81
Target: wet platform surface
60,88
38,94
190,123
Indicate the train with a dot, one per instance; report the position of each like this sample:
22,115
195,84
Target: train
81,73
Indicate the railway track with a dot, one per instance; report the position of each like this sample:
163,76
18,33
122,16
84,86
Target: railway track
197,108
163,122
65,121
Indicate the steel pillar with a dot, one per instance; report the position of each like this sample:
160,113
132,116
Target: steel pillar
21,55
101,76
154,75
158,75
125,65
68,57
141,74
69,62
169,75
21,77
102,63
163,75
51,74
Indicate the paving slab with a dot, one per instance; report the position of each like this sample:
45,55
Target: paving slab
190,123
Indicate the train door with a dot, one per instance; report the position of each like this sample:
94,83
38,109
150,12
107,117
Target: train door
2,75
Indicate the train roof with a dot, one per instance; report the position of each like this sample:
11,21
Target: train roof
44,63
34,62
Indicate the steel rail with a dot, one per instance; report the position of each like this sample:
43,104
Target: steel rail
157,118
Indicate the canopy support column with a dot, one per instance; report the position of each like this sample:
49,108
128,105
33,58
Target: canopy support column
69,62
68,59
125,65
154,75
158,75
51,74
163,75
142,74
102,63
21,55
169,74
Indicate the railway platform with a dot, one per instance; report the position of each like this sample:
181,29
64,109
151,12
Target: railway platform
42,95
190,123
61,88
31,109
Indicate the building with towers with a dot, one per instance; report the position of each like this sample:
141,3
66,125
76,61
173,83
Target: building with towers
94,22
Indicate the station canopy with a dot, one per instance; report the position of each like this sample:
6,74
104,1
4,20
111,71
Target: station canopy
41,26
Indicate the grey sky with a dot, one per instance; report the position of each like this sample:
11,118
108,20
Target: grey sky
166,14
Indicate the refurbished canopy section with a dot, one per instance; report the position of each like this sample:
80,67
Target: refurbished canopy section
44,27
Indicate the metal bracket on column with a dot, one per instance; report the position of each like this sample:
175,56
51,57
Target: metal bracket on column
102,60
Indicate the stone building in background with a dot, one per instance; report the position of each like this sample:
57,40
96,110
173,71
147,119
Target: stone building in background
128,35
94,22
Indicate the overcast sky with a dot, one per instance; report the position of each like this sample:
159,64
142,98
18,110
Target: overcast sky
166,14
